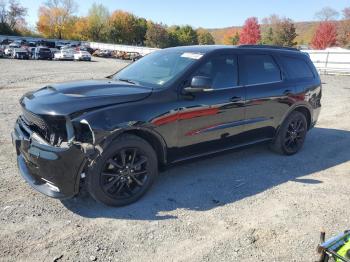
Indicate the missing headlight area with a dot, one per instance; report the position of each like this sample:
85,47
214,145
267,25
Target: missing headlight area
83,132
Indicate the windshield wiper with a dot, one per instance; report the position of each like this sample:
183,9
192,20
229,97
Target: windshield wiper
127,80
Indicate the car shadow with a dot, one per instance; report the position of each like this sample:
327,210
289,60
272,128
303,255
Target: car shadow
215,181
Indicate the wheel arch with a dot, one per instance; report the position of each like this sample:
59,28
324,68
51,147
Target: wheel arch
304,109
154,139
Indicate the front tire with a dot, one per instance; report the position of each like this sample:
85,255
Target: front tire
124,172
291,136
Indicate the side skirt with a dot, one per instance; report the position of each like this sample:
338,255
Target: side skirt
221,150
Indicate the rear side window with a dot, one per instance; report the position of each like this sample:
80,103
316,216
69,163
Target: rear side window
296,68
259,69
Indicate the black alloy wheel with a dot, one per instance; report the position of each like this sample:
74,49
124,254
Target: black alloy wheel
124,172
295,135
291,135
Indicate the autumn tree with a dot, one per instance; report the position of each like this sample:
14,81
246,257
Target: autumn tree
250,33
285,33
56,18
327,14
344,29
121,27
231,37
278,31
156,36
204,37
81,29
325,35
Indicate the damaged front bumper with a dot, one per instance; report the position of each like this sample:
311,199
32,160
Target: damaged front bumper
53,171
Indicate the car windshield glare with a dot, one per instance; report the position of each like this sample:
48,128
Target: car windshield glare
158,68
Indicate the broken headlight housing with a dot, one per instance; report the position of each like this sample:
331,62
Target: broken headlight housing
53,129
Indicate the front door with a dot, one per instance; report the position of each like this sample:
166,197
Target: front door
211,120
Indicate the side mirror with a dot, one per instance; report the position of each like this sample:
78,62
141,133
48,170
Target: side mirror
199,84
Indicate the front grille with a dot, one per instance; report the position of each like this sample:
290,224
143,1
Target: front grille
36,122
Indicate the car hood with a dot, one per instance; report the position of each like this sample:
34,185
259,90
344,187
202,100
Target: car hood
71,97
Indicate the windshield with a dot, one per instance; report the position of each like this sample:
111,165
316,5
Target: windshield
158,68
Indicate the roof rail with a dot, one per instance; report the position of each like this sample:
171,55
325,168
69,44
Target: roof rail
269,47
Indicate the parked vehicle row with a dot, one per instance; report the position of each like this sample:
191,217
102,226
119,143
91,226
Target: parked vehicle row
117,54
45,53
41,42
73,50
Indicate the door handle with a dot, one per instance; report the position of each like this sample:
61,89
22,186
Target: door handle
235,98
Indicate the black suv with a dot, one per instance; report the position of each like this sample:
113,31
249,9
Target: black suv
172,105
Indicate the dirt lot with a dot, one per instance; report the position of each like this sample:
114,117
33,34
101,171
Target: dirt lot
247,205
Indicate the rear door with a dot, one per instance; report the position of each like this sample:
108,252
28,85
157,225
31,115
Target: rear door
268,96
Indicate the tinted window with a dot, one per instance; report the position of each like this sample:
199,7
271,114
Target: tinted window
159,68
259,69
296,68
222,70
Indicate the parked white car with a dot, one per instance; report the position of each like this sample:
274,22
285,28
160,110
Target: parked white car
82,55
8,51
64,55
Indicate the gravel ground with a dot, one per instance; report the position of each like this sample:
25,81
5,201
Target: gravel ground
247,205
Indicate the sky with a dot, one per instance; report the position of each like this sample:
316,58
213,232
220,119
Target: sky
204,13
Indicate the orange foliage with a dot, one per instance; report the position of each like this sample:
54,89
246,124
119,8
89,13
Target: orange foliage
81,29
54,22
123,24
229,35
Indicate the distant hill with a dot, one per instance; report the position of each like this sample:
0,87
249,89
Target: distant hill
305,31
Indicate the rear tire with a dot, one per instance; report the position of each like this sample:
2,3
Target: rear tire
291,136
124,172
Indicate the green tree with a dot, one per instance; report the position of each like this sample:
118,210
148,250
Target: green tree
268,37
183,35
204,37
140,31
122,27
173,36
97,22
235,39
156,36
